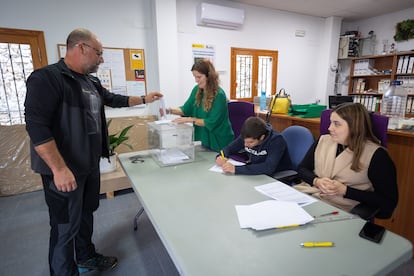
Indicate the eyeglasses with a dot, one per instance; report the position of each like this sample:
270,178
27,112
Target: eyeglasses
98,53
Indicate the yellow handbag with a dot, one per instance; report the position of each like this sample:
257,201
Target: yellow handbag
280,103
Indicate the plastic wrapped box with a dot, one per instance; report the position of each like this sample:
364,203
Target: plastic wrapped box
170,143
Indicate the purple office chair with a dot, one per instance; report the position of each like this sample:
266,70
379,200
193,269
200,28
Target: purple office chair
239,111
379,124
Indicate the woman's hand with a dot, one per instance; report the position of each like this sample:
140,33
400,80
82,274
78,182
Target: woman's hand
329,187
182,120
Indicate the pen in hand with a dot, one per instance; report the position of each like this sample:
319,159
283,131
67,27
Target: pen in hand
222,156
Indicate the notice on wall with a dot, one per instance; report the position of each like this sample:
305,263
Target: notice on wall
114,61
137,59
203,51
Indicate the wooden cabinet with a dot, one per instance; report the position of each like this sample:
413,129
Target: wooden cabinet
371,75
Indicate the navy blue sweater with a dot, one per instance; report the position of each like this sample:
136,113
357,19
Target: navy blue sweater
267,158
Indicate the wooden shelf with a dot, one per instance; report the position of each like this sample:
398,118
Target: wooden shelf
380,63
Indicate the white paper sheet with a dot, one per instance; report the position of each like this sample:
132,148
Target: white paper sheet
219,169
271,214
280,191
164,111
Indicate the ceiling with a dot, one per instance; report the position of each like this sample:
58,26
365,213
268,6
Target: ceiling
349,10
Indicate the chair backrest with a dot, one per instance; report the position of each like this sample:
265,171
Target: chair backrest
379,124
239,111
298,139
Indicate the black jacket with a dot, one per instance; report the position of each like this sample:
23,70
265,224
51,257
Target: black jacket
54,110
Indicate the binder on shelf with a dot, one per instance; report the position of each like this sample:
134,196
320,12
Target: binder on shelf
410,65
400,64
377,104
370,105
409,108
405,65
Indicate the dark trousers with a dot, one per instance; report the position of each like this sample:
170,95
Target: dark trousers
71,222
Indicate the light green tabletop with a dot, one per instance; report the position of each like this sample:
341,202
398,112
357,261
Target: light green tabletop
192,210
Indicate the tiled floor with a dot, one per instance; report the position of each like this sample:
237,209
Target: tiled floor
24,233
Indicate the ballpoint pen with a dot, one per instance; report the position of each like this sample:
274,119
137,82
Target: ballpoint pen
317,244
327,214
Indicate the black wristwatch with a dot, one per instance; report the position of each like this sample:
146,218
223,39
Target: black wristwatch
143,99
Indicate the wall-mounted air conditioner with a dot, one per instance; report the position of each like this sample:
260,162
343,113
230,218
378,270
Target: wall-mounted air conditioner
219,16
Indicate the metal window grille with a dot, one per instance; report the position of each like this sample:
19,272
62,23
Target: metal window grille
265,75
244,72
16,65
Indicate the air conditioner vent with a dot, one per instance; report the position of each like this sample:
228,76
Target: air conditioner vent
219,16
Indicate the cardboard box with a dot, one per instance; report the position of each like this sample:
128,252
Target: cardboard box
16,175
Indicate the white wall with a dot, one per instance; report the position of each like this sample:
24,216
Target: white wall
167,35
384,28
263,29
119,24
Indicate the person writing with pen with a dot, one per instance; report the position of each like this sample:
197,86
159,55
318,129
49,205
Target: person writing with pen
265,149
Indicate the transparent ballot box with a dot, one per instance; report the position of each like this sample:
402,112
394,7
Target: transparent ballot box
170,143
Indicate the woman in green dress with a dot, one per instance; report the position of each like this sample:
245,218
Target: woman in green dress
206,108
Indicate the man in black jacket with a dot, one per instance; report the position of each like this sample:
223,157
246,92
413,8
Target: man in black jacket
65,119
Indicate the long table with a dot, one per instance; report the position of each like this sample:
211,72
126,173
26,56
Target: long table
401,149
193,211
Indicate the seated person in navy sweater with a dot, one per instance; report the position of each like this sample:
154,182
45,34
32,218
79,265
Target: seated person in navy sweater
265,148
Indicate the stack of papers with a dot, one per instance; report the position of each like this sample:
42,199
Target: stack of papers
172,156
271,214
280,191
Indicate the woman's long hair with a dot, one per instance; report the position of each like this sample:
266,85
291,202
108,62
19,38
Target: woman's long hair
360,129
212,86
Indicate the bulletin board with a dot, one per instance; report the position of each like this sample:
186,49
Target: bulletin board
123,70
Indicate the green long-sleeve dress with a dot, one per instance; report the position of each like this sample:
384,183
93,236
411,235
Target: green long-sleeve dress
217,132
